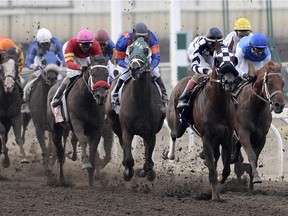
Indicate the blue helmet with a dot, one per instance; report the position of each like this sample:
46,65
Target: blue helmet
259,40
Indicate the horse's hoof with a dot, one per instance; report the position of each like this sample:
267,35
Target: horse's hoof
24,161
6,162
128,174
142,173
257,179
86,166
151,175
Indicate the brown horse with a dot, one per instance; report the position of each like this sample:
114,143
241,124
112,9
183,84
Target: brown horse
140,111
211,114
253,116
85,105
10,103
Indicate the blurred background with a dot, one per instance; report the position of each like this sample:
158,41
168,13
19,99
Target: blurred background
170,20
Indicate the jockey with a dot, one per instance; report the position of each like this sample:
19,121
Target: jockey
254,49
6,43
200,52
44,42
242,27
108,48
107,45
77,58
125,40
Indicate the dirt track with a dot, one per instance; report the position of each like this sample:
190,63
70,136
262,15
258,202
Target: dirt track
181,186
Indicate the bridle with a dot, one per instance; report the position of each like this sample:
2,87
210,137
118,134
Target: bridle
265,90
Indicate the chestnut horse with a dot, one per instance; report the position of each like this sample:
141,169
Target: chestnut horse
140,111
253,116
85,105
211,115
10,103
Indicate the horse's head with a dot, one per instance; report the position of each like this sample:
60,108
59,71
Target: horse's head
9,68
139,54
51,68
224,66
270,82
97,78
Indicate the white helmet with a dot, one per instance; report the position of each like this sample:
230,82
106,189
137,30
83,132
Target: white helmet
43,35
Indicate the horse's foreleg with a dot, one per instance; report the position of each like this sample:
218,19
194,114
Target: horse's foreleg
108,138
40,134
128,160
148,171
25,121
226,156
6,159
16,124
210,162
93,145
245,141
57,140
74,142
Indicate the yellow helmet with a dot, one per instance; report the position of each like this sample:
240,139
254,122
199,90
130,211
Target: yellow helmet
242,24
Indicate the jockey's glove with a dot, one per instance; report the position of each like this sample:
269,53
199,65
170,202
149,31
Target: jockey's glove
248,77
83,68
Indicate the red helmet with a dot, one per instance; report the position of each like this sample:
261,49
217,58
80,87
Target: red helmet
101,36
85,36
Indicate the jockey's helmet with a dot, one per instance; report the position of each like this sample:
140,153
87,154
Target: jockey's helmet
242,24
258,43
43,36
101,36
214,34
6,43
85,36
140,30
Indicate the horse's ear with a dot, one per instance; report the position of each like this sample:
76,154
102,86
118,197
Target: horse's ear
1,56
58,63
129,50
217,61
234,60
146,51
251,69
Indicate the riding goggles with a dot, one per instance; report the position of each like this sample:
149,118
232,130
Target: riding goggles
85,45
257,51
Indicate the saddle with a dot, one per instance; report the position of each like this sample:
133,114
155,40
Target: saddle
184,115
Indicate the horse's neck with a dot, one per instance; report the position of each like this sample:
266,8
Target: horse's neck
142,88
217,95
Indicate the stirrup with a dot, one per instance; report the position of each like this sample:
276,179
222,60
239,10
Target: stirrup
56,102
181,105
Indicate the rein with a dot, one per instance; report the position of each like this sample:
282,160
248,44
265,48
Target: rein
265,89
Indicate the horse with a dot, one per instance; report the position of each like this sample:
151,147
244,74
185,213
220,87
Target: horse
85,106
37,103
10,103
253,116
211,115
140,111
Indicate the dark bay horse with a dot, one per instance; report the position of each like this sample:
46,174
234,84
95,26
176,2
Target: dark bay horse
85,105
140,111
211,115
10,103
253,116
37,103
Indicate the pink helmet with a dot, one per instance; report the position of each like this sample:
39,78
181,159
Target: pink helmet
85,36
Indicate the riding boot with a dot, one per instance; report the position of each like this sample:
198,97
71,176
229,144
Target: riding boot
165,99
115,96
184,98
56,101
